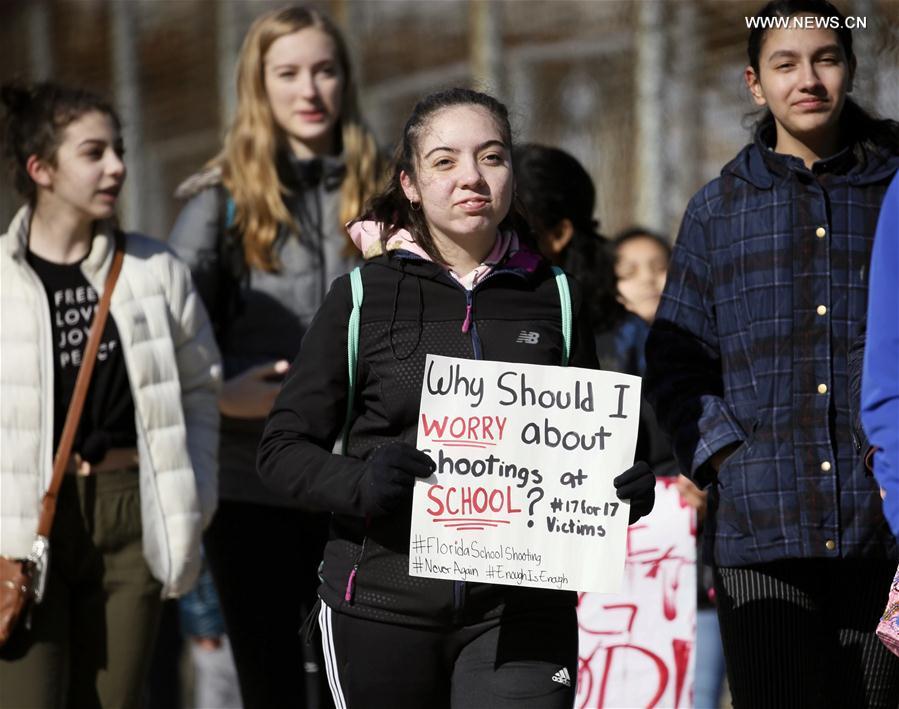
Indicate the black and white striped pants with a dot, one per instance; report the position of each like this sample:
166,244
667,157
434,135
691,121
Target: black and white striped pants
800,633
522,660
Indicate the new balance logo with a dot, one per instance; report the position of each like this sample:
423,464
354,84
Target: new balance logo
562,677
528,338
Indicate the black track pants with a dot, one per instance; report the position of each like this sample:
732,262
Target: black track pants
526,660
800,633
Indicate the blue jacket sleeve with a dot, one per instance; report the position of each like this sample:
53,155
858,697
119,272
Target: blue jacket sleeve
880,379
683,360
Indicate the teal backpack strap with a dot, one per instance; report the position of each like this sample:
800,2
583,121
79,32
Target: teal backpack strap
565,302
352,350
230,212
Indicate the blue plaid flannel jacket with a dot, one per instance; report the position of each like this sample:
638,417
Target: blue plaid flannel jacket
767,284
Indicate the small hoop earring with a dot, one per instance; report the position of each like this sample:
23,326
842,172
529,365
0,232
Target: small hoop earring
412,206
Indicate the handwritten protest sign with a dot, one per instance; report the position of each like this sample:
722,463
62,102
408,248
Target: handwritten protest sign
636,648
523,491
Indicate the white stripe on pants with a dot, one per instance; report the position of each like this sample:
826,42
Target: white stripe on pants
324,621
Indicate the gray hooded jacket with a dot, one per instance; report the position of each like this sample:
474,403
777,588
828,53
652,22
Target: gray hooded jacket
261,316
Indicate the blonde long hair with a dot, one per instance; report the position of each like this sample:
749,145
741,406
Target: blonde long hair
247,160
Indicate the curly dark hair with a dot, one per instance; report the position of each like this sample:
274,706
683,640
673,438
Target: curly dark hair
552,185
34,120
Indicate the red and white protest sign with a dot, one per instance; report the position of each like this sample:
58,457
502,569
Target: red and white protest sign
636,647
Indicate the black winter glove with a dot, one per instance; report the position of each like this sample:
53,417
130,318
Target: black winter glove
388,477
637,485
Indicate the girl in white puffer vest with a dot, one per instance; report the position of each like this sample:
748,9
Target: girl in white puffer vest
141,482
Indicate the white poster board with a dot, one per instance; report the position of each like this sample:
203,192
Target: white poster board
636,648
523,491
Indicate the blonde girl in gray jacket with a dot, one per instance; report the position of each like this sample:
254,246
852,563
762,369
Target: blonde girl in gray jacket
262,230
141,483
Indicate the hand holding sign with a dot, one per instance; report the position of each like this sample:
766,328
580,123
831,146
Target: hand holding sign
388,477
637,485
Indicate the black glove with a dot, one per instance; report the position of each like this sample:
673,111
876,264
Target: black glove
638,486
388,477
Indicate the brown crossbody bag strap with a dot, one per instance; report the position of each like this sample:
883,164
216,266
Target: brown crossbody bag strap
22,580
82,382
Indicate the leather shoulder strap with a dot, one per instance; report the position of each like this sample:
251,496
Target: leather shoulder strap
76,406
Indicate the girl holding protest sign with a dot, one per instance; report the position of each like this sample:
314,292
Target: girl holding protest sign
450,272
263,234
748,373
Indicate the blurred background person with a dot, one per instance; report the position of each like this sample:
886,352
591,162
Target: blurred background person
141,481
641,264
560,200
748,371
623,281
263,233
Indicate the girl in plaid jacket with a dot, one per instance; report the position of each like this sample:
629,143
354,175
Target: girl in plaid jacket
747,370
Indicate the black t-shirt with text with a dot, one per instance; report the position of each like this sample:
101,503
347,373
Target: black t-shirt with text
108,417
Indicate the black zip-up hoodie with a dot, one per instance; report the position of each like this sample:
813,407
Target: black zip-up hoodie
411,308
